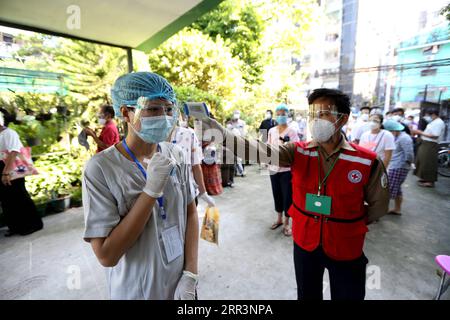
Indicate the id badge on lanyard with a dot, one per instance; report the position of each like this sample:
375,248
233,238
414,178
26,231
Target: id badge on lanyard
173,246
318,203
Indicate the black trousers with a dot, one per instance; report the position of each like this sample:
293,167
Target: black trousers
227,172
282,191
19,210
347,278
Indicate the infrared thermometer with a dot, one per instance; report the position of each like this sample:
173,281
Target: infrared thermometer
198,110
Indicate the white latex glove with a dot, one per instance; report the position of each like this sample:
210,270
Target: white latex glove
186,286
158,171
208,199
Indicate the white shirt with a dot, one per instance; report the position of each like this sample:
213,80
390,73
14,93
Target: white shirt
435,128
378,143
10,141
294,125
187,140
358,130
240,126
111,186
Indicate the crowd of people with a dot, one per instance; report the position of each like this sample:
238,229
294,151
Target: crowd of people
140,192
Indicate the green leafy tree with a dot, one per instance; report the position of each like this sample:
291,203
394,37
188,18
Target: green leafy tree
446,11
192,94
191,58
239,23
92,68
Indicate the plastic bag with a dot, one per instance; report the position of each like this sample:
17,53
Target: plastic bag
210,225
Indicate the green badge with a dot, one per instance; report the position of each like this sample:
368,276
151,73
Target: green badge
318,204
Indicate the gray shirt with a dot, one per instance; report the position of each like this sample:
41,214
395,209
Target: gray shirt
403,155
111,185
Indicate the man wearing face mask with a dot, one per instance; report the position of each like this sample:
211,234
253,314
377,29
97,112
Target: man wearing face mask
238,123
267,124
427,152
140,214
362,124
332,180
110,134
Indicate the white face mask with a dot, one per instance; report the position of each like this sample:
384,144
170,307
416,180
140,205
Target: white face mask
102,121
183,123
428,118
374,125
364,117
2,120
322,130
268,116
236,116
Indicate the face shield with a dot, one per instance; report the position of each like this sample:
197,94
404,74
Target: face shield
154,119
323,120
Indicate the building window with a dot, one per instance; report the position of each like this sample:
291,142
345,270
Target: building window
8,38
428,72
331,55
423,20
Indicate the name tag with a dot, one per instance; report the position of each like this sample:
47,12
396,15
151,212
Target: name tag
172,243
318,204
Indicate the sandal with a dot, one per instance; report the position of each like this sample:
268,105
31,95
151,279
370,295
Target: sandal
276,225
287,231
395,213
426,184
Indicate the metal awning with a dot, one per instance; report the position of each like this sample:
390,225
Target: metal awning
131,24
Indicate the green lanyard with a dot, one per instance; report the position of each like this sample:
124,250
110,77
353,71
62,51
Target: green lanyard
328,173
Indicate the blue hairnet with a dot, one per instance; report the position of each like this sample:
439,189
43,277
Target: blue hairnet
129,87
282,107
393,125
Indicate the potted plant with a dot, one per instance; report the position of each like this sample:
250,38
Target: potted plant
76,198
60,201
62,110
41,205
31,129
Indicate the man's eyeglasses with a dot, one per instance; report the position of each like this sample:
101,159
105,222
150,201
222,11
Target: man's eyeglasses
323,114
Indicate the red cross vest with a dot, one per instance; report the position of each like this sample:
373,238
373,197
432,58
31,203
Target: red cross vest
341,233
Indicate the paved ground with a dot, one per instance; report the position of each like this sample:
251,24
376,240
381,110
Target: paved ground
251,261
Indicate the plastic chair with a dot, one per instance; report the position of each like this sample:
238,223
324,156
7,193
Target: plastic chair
444,263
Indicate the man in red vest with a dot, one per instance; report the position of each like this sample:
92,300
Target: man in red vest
109,135
338,188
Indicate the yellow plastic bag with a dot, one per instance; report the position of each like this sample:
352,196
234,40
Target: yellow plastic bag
210,225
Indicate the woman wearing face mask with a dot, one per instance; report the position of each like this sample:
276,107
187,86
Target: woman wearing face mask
280,178
19,211
400,164
109,135
140,214
378,140
332,180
